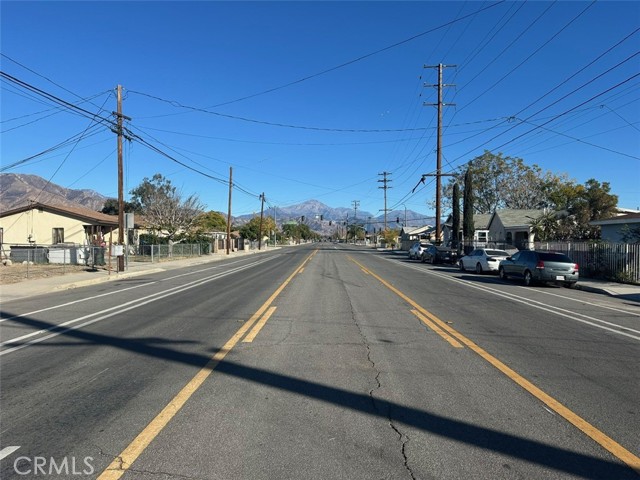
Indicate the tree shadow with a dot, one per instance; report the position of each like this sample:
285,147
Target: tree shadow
532,451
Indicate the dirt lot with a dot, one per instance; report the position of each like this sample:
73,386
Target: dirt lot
19,272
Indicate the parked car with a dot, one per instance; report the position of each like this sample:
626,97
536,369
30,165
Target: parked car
415,251
438,254
482,260
532,266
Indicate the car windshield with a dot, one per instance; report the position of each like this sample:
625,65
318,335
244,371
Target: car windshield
497,253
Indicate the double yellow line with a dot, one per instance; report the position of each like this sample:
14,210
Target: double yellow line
456,339
123,462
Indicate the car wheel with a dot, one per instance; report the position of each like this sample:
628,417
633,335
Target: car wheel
528,279
461,266
502,274
478,268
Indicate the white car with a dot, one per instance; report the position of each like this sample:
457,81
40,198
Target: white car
482,260
415,251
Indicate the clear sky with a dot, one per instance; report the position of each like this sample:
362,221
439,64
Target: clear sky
313,100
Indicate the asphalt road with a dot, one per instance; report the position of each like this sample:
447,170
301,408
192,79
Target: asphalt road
319,362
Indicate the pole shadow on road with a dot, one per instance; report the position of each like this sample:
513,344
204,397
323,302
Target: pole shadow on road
559,459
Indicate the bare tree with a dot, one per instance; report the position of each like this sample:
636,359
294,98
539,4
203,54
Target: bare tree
163,207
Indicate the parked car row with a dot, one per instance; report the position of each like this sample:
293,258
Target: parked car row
528,265
427,252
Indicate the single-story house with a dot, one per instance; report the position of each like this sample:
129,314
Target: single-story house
620,229
410,235
513,227
480,225
44,224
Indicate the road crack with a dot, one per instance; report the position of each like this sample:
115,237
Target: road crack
403,438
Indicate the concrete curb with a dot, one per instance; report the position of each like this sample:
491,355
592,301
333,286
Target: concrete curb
103,279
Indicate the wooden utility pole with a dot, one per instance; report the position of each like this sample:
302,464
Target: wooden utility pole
384,186
119,118
261,217
229,212
439,146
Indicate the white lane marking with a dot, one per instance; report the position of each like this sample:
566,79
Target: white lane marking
74,302
117,291
599,305
59,329
6,451
97,375
539,305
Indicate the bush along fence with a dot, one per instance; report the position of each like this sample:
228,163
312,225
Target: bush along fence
619,262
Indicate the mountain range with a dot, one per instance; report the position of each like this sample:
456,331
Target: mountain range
17,190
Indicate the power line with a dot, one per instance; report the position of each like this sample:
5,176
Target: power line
74,108
350,62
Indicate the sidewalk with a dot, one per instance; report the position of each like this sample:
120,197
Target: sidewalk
29,288
39,286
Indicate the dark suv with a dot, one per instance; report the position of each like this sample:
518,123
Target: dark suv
532,266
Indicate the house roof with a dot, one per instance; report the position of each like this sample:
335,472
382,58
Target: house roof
81,213
516,218
419,230
481,221
620,219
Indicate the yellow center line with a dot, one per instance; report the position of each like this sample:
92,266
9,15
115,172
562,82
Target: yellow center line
301,270
255,330
130,454
585,427
437,329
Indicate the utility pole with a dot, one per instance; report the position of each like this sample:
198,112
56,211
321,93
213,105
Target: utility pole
229,212
119,118
261,217
438,175
356,204
385,187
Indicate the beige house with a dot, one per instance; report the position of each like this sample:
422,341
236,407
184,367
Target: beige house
42,224
513,227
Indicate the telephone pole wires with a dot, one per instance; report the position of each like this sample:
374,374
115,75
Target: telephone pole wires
438,174
385,187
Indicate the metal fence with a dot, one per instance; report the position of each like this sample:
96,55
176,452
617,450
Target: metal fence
28,261
619,262
161,253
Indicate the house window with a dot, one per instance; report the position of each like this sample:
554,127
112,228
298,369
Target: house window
57,235
482,236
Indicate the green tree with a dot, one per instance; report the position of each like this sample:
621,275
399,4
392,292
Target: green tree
251,229
503,182
164,209
390,236
594,202
455,216
468,228
211,222
110,207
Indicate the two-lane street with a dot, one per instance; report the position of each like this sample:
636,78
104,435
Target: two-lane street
320,361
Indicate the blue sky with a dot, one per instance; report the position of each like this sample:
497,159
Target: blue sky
313,100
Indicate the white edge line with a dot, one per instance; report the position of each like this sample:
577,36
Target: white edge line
551,309
6,451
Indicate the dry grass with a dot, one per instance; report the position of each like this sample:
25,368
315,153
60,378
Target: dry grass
20,272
